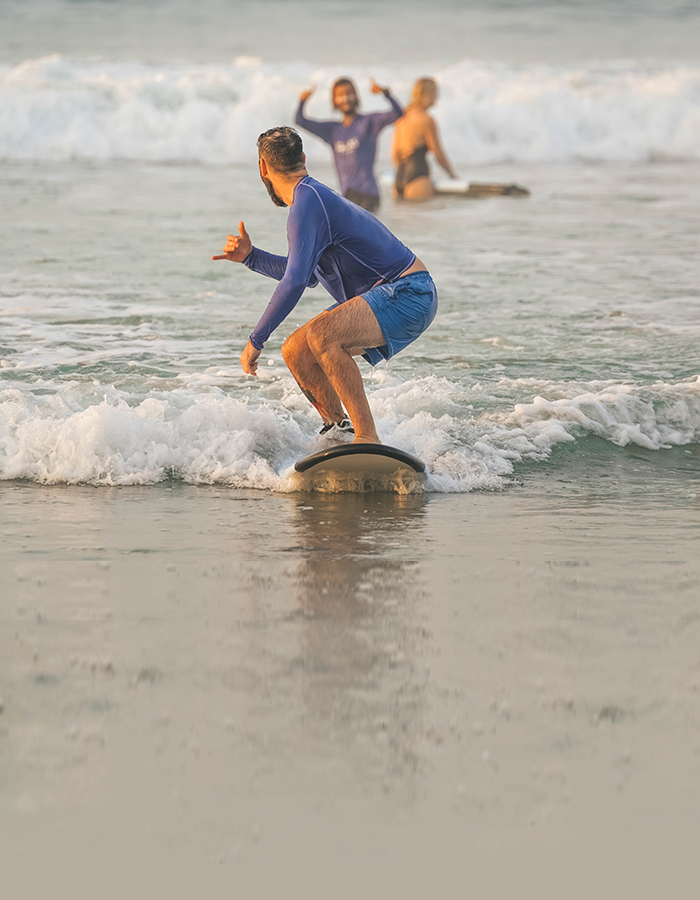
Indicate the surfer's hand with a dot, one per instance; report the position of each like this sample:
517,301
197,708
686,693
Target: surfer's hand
237,248
249,359
377,89
304,96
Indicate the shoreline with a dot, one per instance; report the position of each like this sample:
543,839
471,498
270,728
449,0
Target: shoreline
518,665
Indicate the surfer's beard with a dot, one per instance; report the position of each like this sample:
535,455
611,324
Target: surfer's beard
274,196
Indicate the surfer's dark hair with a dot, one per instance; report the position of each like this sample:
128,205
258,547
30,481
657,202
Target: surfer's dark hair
282,150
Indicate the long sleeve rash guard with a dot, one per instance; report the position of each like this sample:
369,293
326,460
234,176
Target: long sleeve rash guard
354,146
331,241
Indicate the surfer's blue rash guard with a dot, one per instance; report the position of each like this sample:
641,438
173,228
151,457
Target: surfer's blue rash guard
331,241
354,146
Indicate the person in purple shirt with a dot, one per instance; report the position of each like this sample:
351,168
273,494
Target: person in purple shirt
384,296
354,139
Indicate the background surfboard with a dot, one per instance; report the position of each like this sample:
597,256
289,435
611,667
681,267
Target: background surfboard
476,190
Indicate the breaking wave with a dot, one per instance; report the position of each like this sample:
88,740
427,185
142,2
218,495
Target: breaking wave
56,109
75,436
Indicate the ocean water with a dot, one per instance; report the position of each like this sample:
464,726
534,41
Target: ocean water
563,317
569,315
513,647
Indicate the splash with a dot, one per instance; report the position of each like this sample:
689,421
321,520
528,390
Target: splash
205,438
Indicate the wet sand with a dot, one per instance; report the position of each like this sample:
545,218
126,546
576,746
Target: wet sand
204,675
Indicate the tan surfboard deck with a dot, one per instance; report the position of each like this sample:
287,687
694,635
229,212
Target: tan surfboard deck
361,460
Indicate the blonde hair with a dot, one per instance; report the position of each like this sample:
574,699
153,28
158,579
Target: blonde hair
424,91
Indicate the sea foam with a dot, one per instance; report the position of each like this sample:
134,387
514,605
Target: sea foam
210,437
56,109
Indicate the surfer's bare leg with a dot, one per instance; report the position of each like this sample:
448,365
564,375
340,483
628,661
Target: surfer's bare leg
311,378
334,338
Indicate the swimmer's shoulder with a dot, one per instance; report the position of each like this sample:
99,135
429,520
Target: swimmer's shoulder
419,115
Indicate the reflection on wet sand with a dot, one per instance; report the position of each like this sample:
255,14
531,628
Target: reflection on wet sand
362,665
210,649
225,675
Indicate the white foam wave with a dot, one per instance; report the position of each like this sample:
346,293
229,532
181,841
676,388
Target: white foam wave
56,109
83,434
657,417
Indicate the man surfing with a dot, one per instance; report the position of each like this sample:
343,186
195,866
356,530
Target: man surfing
385,297
354,139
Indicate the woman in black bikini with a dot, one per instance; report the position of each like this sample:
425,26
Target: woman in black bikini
415,134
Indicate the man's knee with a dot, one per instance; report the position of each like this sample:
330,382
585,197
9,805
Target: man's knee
318,337
294,347
287,351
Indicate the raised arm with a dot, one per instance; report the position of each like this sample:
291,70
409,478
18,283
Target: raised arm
432,140
381,120
265,263
320,129
239,248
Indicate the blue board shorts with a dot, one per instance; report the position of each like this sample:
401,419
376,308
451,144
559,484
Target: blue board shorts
404,309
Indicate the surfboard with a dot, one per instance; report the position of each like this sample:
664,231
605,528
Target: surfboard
475,190
359,467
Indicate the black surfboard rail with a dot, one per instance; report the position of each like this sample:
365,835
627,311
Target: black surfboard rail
303,465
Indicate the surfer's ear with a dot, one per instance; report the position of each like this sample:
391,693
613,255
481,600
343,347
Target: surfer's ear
263,167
